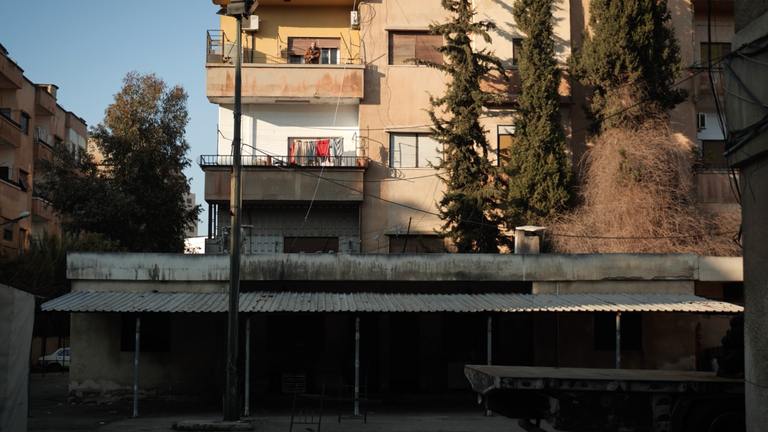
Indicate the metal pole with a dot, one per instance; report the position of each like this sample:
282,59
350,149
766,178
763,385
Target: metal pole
231,409
618,340
357,365
248,366
488,413
136,370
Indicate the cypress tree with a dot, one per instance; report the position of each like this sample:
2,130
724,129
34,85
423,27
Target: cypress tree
470,206
538,170
632,58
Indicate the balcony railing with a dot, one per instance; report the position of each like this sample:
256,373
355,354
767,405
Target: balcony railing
42,136
221,49
285,161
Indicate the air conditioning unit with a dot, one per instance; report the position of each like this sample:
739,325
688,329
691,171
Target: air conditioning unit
354,19
701,122
251,24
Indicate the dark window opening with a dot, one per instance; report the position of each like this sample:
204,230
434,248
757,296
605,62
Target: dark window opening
155,332
24,123
733,292
719,51
416,244
8,234
517,46
310,244
631,332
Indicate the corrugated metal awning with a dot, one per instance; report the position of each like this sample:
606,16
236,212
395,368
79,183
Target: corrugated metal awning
262,301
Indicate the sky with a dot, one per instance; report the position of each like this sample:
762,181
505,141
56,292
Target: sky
86,47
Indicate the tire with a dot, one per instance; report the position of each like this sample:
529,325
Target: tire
717,416
53,367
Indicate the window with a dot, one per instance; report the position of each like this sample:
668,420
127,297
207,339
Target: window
5,112
329,49
506,139
412,150
719,50
420,45
416,244
24,123
631,332
517,46
8,233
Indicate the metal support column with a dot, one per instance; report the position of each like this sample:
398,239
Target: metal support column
136,370
488,413
248,366
618,340
357,365
231,405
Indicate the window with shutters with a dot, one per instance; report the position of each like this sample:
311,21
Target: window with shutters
517,46
412,150
404,45
506,139
329,49
718,50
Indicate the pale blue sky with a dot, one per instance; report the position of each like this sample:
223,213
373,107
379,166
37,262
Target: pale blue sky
86,47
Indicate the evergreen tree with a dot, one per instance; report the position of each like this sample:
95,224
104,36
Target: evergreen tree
470,206
137,197
538,170
632,58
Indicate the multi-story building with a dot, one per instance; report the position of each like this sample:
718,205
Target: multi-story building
31,124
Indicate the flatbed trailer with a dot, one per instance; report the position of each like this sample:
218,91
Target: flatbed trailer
581,399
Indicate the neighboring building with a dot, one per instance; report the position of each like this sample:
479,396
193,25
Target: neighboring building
422,317
31,124
746,110
189,198
379,190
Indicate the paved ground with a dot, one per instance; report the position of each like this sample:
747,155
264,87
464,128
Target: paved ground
50,411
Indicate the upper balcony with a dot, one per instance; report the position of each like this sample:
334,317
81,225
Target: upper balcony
11,75
286,178
45,99
274,42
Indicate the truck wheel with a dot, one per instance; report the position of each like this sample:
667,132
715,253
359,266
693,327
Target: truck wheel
717,416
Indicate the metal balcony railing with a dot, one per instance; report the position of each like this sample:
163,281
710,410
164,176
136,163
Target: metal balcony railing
285,161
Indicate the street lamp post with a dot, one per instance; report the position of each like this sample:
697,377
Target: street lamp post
238,9
22,215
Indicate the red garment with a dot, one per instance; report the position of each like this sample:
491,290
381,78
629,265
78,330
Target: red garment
293,145
323,149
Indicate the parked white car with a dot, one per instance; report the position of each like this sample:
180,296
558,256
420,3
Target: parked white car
56,361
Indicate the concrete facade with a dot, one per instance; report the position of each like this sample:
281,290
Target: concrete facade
400,352
31,124
749,154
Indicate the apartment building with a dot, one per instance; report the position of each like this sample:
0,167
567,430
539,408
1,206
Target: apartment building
31,124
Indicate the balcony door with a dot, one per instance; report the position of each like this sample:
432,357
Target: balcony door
329,49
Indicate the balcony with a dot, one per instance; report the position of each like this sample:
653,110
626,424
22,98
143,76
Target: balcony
275,179
279,76
11,75
40,209
45,101
10,132
703,84
42,151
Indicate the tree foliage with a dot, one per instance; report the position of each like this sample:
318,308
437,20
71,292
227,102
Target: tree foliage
538,169
137,196
632,58
474,190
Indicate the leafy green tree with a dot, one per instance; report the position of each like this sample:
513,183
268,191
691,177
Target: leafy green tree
137,196
632,58
538,170
474,191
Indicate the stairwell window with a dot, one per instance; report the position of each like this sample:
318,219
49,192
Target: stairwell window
404,45
412,150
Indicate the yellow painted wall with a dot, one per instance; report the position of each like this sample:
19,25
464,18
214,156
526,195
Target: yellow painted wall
278,23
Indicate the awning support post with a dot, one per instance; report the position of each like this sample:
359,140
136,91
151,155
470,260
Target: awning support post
357,365
248,366
488,413
618,340
136,370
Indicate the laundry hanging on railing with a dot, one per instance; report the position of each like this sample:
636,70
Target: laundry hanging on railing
322,152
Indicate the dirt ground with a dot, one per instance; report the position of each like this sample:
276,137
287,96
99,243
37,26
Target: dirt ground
51,412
